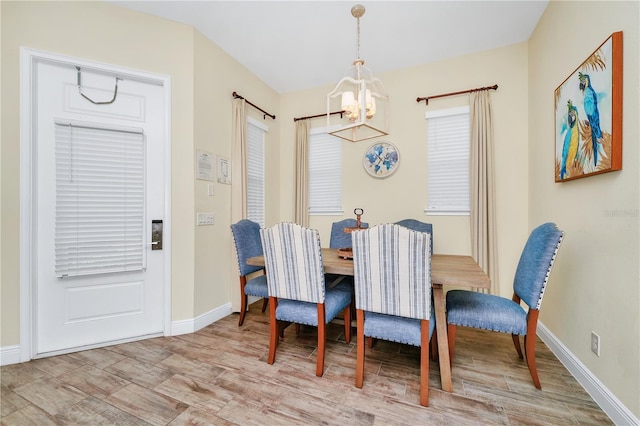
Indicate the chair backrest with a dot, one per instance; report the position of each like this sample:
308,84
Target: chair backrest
293,259
246,237
392,271
416,225
339,238
536,262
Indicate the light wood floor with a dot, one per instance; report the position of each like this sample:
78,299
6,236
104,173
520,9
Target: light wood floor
220,376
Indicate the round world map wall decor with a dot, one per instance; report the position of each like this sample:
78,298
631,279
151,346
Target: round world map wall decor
381,159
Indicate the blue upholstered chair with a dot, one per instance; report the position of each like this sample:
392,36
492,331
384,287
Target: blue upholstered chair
339,238
296,285
246,236
416,225
479,310
392,271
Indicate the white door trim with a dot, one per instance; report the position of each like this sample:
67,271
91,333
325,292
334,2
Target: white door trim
28,58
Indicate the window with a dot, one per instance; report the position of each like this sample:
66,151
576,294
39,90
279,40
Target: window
325,173
448,143
255,170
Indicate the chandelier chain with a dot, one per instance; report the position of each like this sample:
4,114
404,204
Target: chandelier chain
358,38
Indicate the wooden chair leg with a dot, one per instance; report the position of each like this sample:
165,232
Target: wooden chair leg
515,337
243,301
359,347
434,346
370,342
274,332
347,324
516,343
451,340
530,345
322,337
424,363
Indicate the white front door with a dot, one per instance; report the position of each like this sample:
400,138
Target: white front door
79,310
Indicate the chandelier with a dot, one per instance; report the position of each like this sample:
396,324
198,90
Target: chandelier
361,98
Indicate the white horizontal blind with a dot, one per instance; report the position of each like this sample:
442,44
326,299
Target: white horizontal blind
325,173
100,187
448,161
255,171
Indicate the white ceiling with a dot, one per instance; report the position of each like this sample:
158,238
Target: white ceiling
296,45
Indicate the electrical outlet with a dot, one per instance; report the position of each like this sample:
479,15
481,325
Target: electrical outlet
205,219
595,343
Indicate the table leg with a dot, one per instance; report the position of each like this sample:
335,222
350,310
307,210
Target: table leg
443,344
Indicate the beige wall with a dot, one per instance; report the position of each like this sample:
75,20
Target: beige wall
216,78
595,283
2,313
403,194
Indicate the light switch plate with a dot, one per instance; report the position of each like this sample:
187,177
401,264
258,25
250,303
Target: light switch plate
211,190
205,219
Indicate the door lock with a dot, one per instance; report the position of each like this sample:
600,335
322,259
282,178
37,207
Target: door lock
156,235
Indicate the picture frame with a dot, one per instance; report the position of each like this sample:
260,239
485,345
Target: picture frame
588,115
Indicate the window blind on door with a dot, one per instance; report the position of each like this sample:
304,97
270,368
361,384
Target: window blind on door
100,200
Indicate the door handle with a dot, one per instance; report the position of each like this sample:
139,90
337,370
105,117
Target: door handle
156,235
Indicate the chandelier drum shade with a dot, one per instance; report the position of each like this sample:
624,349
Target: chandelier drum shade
361,97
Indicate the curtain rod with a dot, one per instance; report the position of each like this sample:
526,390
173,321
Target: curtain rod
426,99
264,117
319,115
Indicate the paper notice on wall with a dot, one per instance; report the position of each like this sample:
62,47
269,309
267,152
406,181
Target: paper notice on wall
204,165
224,170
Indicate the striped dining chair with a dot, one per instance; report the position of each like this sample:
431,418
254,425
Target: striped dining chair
417,225
392,271
296,285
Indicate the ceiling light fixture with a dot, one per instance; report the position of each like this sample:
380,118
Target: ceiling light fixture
361,97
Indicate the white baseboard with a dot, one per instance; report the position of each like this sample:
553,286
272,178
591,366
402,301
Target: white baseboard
195,324
10,355
612,406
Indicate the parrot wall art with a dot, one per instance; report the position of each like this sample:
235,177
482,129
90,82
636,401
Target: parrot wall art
593,114
571,140
588,115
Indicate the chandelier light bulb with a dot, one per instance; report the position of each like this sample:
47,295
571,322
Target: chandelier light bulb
348,101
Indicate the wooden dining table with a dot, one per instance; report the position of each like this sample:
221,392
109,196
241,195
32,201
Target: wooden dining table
446,269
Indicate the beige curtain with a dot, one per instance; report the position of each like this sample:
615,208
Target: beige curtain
239,161
301,182
238,181
484,247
